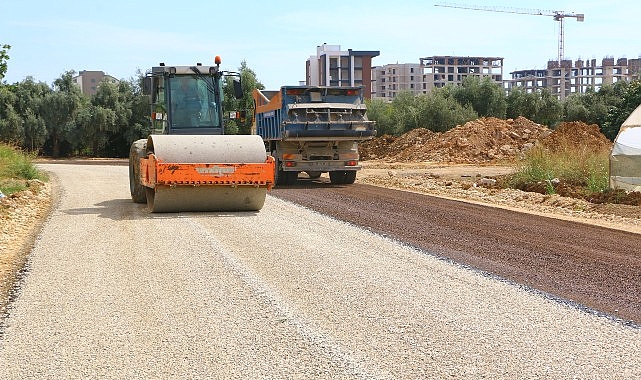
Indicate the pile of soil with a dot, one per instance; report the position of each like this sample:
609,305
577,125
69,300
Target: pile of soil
492,140
483,140
577,133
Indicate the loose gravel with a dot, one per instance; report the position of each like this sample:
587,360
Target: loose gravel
115,292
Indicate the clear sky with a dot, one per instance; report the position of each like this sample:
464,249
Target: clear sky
276,37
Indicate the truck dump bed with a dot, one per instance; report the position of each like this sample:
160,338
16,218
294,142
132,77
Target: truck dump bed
312,112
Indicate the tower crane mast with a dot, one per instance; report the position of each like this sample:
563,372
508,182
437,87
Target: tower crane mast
556,16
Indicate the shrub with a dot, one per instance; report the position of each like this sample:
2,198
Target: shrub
15,168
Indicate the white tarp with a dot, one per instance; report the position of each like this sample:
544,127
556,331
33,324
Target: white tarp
625,159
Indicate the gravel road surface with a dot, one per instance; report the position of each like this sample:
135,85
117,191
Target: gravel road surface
114,292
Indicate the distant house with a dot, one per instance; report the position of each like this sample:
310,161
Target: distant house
333,67
89,80
390,80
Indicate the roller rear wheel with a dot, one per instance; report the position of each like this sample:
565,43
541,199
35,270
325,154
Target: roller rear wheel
137,151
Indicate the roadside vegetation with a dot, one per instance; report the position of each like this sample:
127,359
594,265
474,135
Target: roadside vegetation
572,171
444,108
568,168
58,120
16,170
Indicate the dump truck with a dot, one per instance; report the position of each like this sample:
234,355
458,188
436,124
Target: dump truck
188,163
313,129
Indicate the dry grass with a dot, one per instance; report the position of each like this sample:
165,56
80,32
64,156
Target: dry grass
573,164
16,168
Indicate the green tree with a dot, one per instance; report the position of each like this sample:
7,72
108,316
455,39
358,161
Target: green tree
139,121
59,109
4,57
437,111
485,96
551,111
244,106
11,128
539,106
97,123
592,107
407,111
443,112
35,131
522,103
631,99
29,95
382,113
132,117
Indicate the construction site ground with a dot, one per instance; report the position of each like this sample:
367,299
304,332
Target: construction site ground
458,164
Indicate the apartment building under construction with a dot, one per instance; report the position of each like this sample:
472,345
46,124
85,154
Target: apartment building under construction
439,71
568,78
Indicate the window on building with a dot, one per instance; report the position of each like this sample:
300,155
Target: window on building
411,70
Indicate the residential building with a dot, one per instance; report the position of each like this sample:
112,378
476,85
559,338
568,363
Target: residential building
440,71
391,79
567,78
89,80
332,66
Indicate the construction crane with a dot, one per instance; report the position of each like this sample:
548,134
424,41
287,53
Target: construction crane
556,16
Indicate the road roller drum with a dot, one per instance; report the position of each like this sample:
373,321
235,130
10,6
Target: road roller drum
206,173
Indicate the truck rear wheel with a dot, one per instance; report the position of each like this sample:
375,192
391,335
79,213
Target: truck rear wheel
337,177
350,177
137,151
279,174
282,177
342,177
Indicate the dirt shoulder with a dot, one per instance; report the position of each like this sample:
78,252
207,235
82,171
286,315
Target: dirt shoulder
465,182
21,218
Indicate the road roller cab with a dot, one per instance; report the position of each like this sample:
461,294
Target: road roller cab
188,163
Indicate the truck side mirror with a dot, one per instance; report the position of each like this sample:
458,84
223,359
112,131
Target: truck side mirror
238,89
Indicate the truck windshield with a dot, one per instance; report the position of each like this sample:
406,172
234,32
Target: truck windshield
193,102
